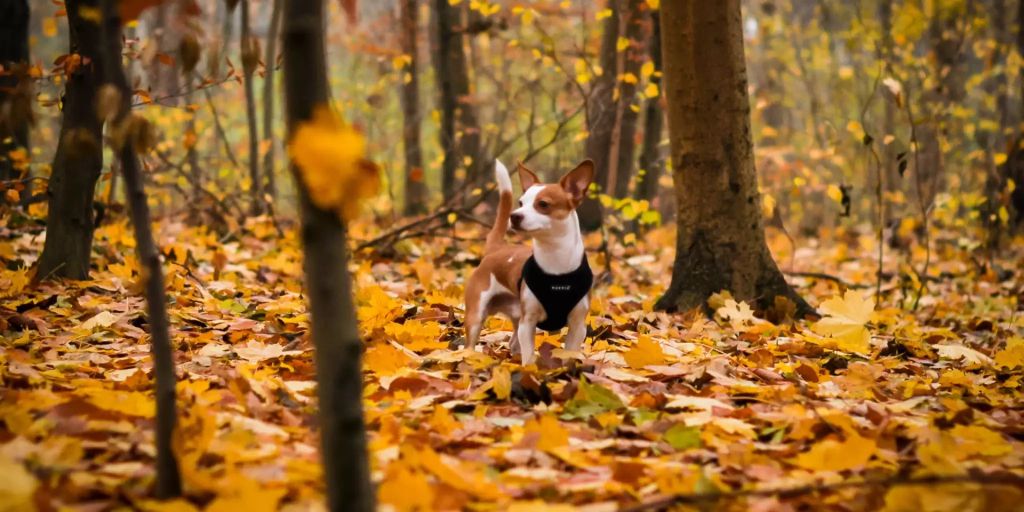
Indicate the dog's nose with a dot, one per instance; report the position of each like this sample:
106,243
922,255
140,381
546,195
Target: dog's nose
517,219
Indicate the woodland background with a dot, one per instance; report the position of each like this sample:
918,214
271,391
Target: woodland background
888,146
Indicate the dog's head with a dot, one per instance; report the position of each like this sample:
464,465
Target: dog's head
545,207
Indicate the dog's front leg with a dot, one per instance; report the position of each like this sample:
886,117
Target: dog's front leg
578,325
527,329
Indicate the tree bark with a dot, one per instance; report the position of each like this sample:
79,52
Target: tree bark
15,98
415,185
79,158
720,232
328,284
611,141
249,60
460,135
164,80
168,478
651,161
270,61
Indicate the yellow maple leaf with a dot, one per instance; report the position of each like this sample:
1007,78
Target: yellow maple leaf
331,159
1013,355
247,495
131,403
502,382
831,455
17,487
552,434
844,322
406,489
738,314
448,470
645,352
385,360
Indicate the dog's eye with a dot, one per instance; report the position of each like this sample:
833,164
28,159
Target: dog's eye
542,204
520,202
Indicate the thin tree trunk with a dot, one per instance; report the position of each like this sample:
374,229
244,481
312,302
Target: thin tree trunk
79,158
720,232
15,97
250,57
460,135
415,185
193,153
612,122
651,161
168,479
270,61
165,84
328,284
888,45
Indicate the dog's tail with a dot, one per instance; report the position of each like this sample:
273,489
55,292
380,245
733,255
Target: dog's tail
497,235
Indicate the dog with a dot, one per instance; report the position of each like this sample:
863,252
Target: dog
546,286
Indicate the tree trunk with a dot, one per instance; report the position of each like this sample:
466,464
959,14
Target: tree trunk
328,284
720,232
270,61
15,96
892,176
164,81
415,185
460,135
612,122
168,479
651,161
250,57
79,158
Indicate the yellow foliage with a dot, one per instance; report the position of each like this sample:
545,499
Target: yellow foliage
331,159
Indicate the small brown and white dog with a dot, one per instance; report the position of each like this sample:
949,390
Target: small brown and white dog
545,286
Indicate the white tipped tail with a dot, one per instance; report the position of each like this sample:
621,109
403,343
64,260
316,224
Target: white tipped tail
501,174
496,237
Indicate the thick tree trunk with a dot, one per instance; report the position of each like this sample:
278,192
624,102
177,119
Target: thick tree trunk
168,478
328,284
79,158
720,244
15,100
250,58
611,142
460,135
270,61
651,161
415,185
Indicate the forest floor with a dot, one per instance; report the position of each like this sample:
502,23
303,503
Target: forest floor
656,405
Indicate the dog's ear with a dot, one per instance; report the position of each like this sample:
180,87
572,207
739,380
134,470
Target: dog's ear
576,182
527,177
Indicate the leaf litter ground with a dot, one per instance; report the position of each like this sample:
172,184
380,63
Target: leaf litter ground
655,405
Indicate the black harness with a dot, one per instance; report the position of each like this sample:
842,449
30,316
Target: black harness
557,293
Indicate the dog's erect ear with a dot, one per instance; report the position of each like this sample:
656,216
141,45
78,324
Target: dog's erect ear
576,182
527,177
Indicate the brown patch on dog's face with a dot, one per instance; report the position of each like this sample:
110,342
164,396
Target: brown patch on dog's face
553,201
542,205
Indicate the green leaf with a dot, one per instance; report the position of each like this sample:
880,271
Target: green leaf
682,437
590,400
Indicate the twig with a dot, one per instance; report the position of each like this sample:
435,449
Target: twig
870,143
827,277
922,275
460,210
790,492
220,129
